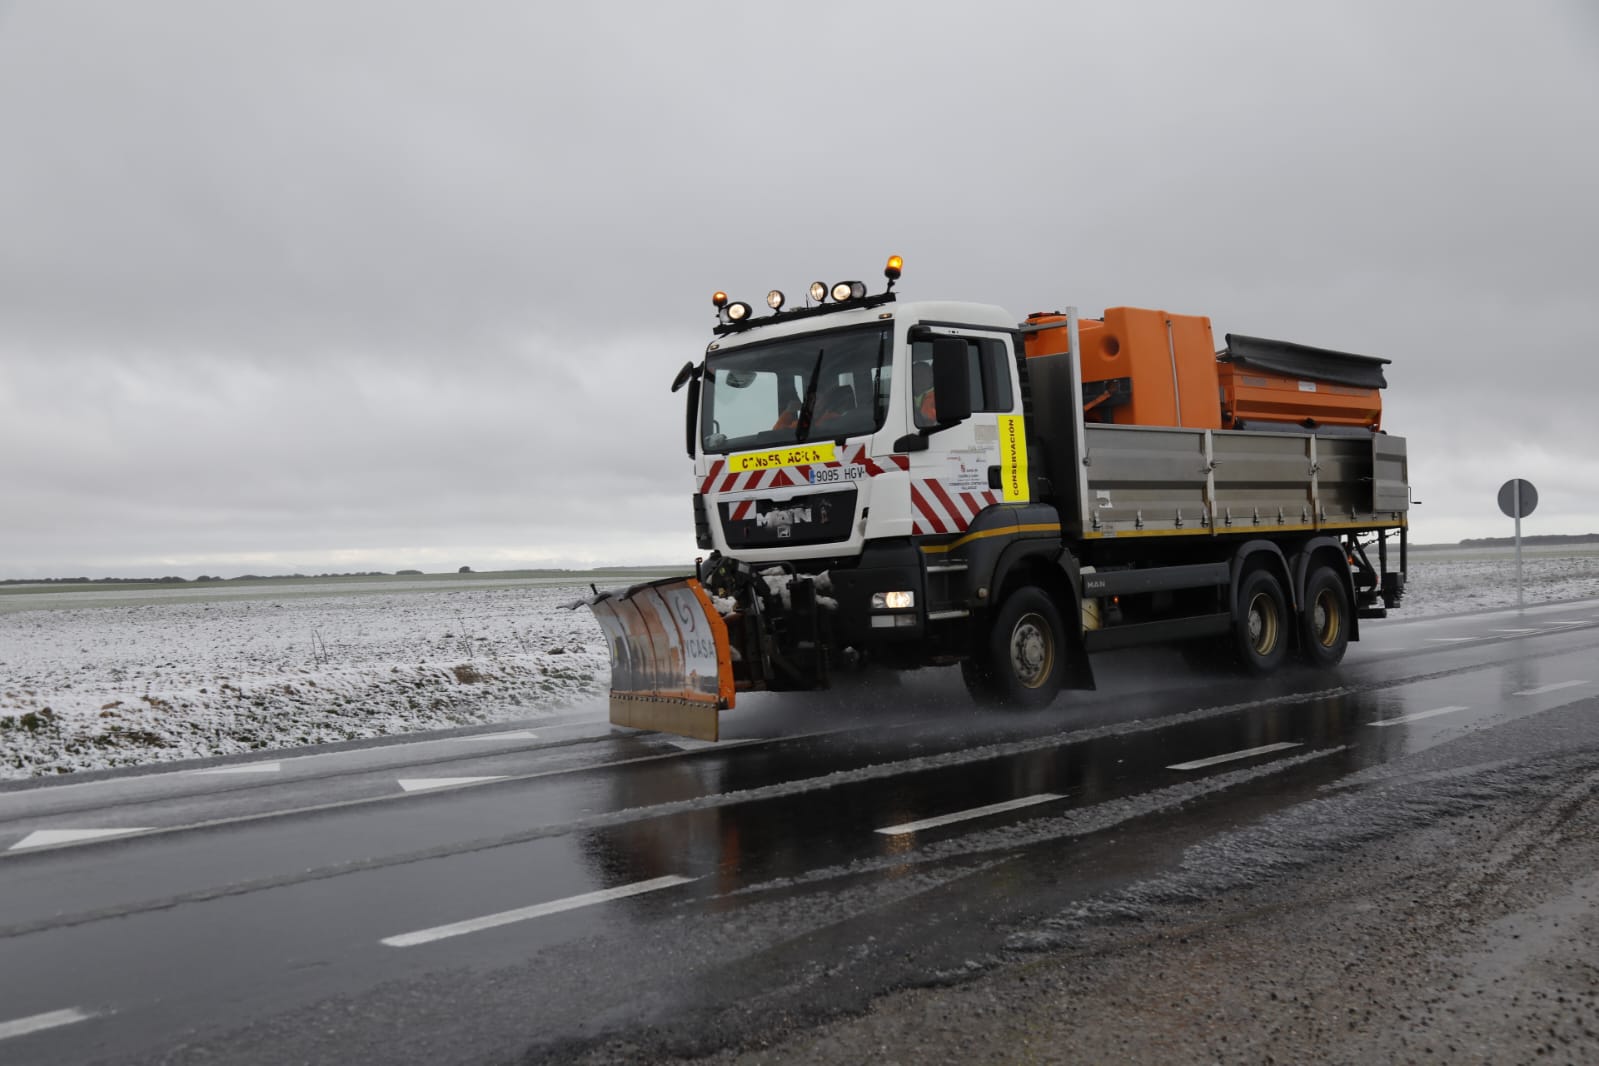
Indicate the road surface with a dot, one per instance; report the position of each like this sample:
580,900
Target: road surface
557,890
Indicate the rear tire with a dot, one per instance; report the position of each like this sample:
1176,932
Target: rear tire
1022,660
1260,628
1324,620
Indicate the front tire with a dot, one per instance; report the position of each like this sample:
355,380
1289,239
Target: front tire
1260,628
1023,656
1324,620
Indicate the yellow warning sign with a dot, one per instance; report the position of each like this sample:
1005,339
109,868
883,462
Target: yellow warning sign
1013,458
801,455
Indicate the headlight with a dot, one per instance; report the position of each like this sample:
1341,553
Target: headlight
774,299
842,291
893,601
818,292
738,312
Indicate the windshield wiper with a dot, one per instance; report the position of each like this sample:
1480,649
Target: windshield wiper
803,427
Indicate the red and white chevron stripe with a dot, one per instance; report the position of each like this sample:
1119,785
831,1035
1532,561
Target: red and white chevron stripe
718,480
936,508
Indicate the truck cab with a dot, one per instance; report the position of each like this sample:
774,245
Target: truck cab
856,404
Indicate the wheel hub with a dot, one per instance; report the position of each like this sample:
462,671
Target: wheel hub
1262,622
1032,653
1324,618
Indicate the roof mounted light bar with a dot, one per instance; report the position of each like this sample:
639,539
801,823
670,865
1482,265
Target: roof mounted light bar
844,295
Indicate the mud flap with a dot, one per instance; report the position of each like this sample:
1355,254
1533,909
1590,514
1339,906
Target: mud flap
671,663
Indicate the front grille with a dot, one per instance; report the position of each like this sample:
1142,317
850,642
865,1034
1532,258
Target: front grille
817,518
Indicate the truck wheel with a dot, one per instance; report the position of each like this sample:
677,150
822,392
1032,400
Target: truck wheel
1260,630
1324,622
1023,657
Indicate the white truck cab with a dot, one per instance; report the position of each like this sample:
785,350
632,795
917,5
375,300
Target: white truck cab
814,437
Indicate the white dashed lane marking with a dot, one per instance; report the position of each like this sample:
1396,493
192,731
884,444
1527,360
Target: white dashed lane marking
1232,756
974,812
247,768
538,910
44,838
690,744
422,784
1418,716
1556,687
36,1022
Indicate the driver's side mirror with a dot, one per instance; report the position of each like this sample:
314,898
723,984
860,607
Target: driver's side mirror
952,383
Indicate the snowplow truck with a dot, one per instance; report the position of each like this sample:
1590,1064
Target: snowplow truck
935,483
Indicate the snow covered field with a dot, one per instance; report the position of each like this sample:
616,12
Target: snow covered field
113,677
160,674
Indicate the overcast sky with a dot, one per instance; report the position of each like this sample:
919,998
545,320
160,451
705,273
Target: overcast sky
349,286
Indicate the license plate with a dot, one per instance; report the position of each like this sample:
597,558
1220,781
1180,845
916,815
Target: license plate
830,475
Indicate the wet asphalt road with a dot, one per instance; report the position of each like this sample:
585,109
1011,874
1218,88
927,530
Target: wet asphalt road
541,890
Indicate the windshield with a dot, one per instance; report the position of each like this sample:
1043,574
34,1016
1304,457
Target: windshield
817,387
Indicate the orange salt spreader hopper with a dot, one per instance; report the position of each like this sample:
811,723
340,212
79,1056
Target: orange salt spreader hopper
1140,367
1144,367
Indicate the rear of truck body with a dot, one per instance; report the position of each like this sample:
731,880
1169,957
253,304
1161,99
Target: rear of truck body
931,483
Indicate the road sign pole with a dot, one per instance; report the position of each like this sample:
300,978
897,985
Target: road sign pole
1517,498
1521,601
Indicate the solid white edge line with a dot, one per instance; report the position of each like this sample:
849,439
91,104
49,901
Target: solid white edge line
162,775
538,910
1200,764
974,812
49,1020
1418,716
1556,687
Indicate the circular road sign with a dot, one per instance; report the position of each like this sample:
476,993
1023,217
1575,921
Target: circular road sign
1507,498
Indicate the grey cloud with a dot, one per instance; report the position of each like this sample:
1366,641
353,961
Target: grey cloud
308,277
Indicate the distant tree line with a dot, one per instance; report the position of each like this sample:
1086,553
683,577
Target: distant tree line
1542,538
171,580
211,579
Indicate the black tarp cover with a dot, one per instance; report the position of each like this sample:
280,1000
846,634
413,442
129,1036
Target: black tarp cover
1303,361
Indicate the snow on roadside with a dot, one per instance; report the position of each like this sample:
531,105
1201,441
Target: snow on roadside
1451,581
153,678
93,687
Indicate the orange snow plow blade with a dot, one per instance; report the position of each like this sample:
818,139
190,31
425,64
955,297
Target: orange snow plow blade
671,664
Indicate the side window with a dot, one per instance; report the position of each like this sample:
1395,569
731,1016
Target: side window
994,369
988,371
